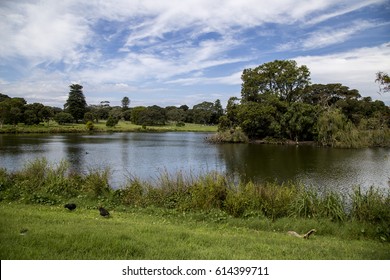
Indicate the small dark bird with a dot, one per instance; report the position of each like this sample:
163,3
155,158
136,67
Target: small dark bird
104,212
70,206
23,231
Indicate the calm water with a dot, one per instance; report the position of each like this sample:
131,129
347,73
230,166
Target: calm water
147,155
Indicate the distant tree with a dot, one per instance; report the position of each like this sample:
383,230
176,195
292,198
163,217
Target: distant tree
184,107
175,114
127,115
3,97
63,118
299,121
135,114
125,103
152,115
34,113
328,95
282,78
116,112
112,121
203,112
89,117
76,104
46,113
12,110
384,81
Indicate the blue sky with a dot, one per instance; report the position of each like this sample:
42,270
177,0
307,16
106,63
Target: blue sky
184,52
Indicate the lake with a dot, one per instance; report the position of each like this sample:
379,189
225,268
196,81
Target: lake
148,155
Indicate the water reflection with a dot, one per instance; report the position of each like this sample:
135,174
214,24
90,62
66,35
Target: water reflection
147,155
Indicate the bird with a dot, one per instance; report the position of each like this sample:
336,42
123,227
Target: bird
23,231
70,206
305,236
104,212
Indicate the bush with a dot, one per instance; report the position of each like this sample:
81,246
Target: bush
63,118
112,121
89,125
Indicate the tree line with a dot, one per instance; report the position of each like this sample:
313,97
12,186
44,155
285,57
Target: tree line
16,110
278,102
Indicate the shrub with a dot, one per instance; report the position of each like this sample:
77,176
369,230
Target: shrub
63,118
89,125
112,121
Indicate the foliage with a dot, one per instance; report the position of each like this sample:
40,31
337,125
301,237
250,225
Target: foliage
125,103
228,136
42,183
282,78
63,118
152,115
384,81
89,125
76,104
112,121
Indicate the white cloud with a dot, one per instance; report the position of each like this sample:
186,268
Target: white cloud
328,36
355,68
41,32
140,45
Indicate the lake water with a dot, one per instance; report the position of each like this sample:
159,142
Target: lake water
148,155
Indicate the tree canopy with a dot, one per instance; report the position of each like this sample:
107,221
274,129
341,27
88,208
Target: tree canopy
76,104
282,78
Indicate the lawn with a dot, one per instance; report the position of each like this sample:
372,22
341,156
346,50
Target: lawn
122,126
52,232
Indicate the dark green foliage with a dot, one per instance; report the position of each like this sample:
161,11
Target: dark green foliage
63,118
76,104
112,121
279,103
152,115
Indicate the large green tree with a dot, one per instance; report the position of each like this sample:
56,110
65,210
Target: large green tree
283,78
76,104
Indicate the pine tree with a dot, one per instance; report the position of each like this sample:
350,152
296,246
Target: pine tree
76,104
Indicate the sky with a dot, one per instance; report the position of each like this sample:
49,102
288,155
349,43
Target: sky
176,52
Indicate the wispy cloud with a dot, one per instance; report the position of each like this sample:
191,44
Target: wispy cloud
354,68
148,47
328,36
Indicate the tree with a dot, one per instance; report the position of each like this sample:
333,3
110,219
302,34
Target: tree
262,119
328,95
135,114
232,108
207,112
76,104
384,81
299,121
282,78
203,112
125,103
63,118
152,115
112,121
12,110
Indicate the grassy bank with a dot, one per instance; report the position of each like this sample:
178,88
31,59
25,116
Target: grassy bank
52,232
122,126
270,208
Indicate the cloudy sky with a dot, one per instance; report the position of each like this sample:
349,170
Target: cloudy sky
184,51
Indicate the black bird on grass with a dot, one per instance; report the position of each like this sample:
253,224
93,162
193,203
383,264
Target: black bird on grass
70,206
104,212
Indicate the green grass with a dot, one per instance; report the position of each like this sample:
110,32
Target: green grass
122,126
154,233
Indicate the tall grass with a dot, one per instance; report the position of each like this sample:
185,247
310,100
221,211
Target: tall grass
42,183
